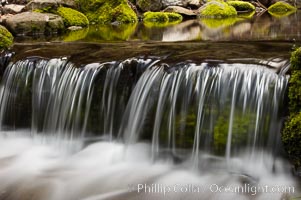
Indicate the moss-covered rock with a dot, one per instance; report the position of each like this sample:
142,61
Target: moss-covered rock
291,138
72,17
281,8
161,18
6,38
217,9
241,5
104,11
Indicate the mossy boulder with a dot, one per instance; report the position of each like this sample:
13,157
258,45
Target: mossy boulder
72,17
6,38
281,8
161,18
241,5
217,9
291,138
104,11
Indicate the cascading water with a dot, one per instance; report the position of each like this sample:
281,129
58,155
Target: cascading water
141,129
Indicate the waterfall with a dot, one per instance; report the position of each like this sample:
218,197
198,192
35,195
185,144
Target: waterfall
200,118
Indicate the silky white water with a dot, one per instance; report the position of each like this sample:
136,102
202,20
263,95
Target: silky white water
142,129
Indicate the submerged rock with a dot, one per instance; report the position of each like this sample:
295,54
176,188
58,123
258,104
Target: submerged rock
217,9
6,38
32,23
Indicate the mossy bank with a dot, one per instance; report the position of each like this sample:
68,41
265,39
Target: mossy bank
291,134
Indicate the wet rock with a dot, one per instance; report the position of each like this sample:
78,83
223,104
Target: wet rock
149,5
180,10
48,4
33,23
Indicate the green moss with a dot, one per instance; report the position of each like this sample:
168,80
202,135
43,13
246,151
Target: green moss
241,5
294,93
103,11
217,9
72,17
161,19
76,35
240,128
6,38
291,138
296,59
281,8
291,134
48,9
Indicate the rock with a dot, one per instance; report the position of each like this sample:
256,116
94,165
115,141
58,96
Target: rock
48,4
12,9
180,10
161,18
149,5
217,9
32,23
182,3
6,38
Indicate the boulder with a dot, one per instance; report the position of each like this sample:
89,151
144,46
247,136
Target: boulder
180,10
48,4
33,23
149,5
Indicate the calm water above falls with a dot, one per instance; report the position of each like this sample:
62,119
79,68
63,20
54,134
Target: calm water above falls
257,28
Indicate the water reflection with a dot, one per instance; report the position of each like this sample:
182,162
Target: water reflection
244,27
